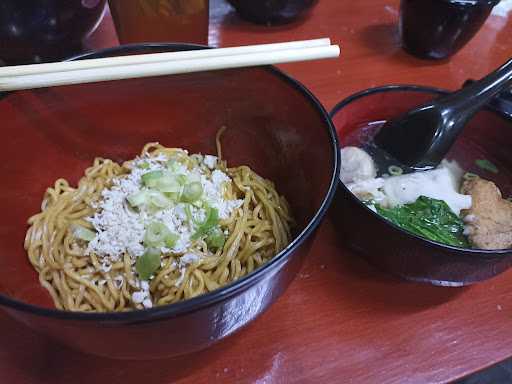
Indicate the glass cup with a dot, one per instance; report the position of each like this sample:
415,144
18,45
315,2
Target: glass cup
436,29
184,21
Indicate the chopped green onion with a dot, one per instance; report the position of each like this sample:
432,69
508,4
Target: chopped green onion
395,170
83,233
188,212
155,198
212,219
182,179
486,165
194,177
148,263
158,199
172,165
149,179
215,239
156,234
167,184
192,192
144,165
173,196
138,199
470,176
171,239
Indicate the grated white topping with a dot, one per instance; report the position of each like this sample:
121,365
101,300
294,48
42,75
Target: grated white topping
118,281
106,267
183,262
189,258
182,276
138,297
120,229
143,296
210,161
147,303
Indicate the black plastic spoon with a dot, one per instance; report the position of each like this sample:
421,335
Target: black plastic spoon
422,137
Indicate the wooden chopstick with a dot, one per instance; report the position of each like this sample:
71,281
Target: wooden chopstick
34,69
119,72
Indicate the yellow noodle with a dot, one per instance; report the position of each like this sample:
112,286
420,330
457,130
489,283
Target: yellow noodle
257,231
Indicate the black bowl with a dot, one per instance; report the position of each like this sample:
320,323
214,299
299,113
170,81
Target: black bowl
437,29
274,125
272,11
45,30
487,136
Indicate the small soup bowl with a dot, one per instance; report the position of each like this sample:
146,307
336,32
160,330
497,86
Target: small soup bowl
385,245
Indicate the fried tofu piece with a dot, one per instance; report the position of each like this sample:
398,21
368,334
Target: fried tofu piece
488,223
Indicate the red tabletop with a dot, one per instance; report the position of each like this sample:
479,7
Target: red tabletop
341,321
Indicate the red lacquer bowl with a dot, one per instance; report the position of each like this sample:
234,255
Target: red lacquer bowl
274,125
487,136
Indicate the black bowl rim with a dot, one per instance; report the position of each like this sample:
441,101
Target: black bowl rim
482,253
186,306
473,2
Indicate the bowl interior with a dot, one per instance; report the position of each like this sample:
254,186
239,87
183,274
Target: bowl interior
487,136
57,132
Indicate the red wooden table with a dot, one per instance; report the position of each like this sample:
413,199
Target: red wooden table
340,321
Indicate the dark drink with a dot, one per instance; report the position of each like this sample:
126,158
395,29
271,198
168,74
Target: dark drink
272,11
436,29
45,30
184,21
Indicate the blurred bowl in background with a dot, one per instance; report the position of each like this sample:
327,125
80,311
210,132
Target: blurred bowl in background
487,136
437,29
272,12
274,125
34,31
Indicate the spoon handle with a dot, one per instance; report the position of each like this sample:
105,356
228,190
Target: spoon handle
474,96
501,103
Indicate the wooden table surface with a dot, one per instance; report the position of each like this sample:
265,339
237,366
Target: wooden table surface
341,321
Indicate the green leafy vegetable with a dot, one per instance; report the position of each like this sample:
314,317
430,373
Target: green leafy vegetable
212,219
148,263
486,165
430,218
83,233
144,165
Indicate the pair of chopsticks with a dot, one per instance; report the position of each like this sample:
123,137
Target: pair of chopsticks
157,64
